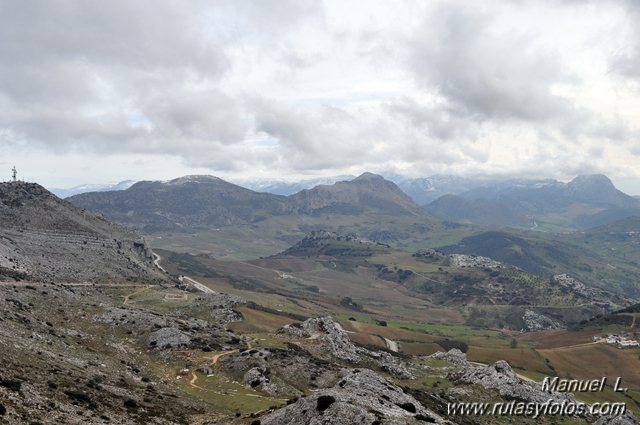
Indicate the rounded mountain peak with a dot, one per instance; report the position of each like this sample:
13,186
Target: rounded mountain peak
195,178
592,180
367,176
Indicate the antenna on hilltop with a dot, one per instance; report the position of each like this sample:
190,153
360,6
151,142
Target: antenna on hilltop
15,173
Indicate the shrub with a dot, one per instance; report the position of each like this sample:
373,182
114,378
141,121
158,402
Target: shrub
130,403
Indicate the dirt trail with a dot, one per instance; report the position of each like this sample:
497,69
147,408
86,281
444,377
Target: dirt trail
193,380
156,261
213,359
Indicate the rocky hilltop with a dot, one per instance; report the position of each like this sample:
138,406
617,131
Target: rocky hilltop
45,238
322,242
368,191
185,202
336,342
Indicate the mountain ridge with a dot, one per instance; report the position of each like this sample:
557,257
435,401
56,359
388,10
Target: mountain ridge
584,202
44,237
193,201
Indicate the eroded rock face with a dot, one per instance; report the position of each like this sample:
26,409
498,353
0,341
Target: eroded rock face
44,238
337,343
393,365
360,397
169,337
334,337
462,261
255,378
538,322
287,369
501,377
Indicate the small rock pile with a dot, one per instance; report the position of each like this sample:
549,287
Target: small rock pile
452,356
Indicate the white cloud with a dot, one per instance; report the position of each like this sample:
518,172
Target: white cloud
278,88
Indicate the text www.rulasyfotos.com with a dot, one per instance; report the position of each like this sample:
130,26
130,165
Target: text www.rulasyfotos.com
536,410
551,407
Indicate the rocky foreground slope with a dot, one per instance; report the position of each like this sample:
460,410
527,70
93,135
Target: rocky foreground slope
45,238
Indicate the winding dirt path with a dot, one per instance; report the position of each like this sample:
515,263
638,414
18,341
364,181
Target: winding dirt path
195,283
156,261
213,359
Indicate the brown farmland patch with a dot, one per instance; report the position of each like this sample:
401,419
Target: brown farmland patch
559,338
419,348
595,361
259,321
367,339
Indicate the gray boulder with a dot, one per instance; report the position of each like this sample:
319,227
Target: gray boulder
255,378
538,322
501,377
169,337
360,397
336,341
394,366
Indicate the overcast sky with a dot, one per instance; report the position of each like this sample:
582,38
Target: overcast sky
103,91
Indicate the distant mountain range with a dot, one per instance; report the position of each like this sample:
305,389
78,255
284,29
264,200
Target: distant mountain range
586,201
65,193
279,187
193,202
427,189
204,201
